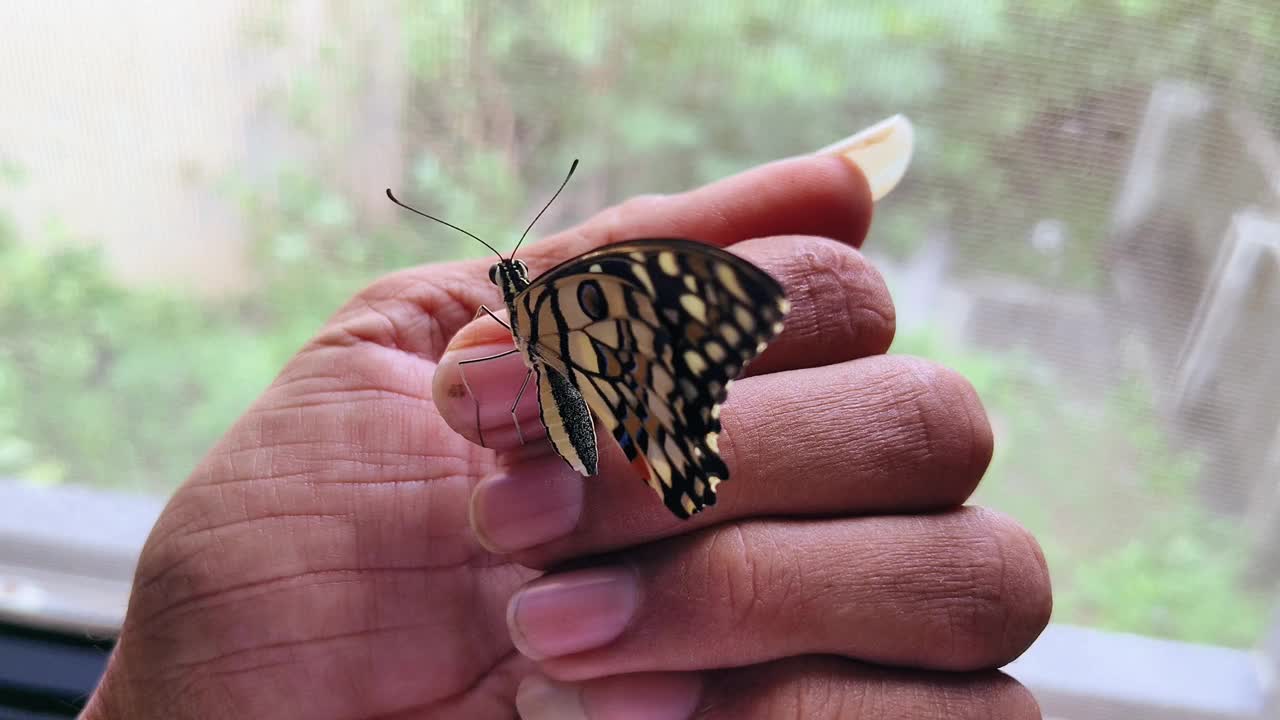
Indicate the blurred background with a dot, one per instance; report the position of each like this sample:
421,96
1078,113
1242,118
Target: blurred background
1090,231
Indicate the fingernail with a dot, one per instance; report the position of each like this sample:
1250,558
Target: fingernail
882,151
494,385
533,504
572,612
643,696
539,698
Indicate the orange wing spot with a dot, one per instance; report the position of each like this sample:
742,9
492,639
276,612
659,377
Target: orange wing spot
641,467
645,472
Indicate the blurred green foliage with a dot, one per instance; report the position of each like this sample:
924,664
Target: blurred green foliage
116,386
1112,500
126,387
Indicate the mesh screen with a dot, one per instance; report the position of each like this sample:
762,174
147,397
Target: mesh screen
1090,229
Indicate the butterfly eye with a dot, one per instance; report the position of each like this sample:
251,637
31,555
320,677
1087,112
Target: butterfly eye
493,274
524,269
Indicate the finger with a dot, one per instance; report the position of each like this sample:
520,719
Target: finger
805,688
960,591
827,195
840,306
824,196
841,310
882,434
819,196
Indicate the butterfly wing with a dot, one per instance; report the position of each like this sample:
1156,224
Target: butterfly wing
652,333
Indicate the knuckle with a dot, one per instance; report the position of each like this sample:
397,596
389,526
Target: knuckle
847,295
752,585
974,611
1027,587
398,310
996,598
945,412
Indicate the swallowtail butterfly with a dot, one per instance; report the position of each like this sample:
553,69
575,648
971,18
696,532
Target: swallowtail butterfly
646,335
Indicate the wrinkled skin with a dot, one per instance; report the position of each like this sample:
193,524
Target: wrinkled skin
321,562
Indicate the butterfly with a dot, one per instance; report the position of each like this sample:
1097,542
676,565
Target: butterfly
646,335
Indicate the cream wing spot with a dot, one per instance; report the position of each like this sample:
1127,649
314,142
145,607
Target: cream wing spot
744,318
729,279
694,306
644,338
661,381
695,362
730,334
715,351
610,394
583,353
662,412
662,469
642,274
605,332
644,310
687,504
667,261
672,448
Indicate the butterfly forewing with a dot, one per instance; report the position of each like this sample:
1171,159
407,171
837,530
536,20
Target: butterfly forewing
651,333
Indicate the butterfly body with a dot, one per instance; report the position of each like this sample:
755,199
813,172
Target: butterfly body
647,336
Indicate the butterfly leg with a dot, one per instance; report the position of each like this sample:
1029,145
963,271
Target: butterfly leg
463,372
514,419
482,310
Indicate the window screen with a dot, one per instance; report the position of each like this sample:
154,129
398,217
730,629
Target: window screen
1089,231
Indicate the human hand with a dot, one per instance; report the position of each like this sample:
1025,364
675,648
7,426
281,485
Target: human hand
320,562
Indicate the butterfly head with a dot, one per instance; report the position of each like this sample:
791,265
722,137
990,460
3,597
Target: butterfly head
511,276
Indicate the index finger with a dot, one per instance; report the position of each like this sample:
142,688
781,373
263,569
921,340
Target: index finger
827,194
822,195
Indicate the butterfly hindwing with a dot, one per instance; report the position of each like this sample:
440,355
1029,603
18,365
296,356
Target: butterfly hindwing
651,333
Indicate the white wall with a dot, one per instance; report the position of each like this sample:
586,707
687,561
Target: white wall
122,115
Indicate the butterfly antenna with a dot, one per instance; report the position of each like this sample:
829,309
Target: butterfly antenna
572,167
442,222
